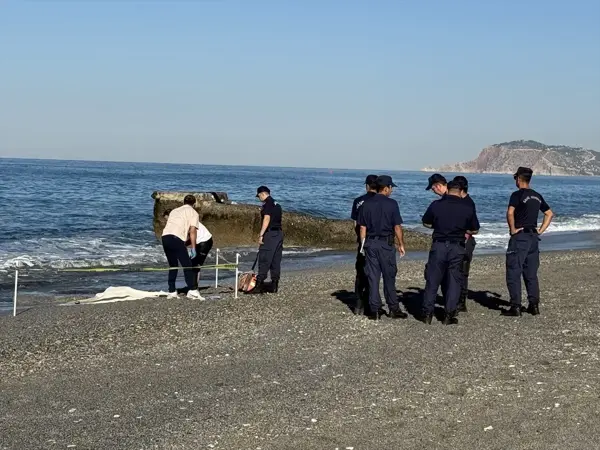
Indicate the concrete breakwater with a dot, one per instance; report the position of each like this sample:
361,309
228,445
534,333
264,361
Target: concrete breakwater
239,224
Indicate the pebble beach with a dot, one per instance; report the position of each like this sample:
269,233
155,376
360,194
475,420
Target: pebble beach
298,370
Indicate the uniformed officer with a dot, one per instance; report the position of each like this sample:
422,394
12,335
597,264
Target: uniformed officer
523,254
270,241
469,246
438,184
450,217
361,283
380,222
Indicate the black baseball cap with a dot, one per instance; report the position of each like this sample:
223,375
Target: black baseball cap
434,179
462,181
523,171
262,189
385,180
371,179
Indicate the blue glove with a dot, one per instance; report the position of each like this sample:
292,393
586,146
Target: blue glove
192,253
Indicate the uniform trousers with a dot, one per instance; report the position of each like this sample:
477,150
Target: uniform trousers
380,260
523,260
445,259
270,254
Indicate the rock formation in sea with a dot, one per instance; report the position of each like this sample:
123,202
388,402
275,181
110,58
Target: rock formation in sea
239,224
543,159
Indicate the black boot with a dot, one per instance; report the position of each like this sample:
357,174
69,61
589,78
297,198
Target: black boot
374,316
398,314
513,311
450,318
426,318
274,286
360,307
462,305
534,310
258,289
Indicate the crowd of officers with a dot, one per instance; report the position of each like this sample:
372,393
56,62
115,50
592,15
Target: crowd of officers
378,226
453,219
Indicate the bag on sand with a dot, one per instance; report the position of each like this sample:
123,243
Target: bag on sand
247,280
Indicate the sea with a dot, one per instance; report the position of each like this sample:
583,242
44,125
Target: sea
56,215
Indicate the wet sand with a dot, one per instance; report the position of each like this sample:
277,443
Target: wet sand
298,370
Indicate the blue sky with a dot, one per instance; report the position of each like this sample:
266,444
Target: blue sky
356,84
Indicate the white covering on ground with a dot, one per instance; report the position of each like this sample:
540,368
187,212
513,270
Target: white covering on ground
121,294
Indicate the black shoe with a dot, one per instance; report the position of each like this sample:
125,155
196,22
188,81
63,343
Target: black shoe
376,316
514,311
450,319
462,306
534,310
274,286
399,314
258,289
426,318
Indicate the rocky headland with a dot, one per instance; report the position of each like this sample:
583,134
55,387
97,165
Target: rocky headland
239,224
543,159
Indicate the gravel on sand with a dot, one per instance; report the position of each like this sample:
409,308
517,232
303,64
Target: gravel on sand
298,370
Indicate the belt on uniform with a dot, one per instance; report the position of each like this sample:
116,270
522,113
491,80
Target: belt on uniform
450,241
274,229
380,238
530,230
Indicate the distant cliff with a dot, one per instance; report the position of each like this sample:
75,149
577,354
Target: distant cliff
543,159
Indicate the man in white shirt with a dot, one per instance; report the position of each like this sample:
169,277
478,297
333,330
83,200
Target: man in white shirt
181,226
204,243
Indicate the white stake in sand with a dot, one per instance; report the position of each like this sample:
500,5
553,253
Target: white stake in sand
217,270
15,297
237,274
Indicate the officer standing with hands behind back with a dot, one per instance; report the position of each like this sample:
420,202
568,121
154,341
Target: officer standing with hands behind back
270,240
523,253
450,217
380,222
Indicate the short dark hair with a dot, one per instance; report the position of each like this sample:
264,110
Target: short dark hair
189,200
454,186
371,181
526,177
380,187
462,181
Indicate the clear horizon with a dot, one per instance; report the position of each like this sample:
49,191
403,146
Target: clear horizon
311,85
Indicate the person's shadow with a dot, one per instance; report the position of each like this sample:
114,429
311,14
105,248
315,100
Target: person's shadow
412,299
488,299
348,298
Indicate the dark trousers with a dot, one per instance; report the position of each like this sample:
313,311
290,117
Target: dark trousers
177,252
523,260
466,268
445,258
361,283
380,259
202,251
269,256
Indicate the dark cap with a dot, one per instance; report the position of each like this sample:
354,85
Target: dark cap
523,171
371,179
385,180
262,189
434,179
454,185
462,181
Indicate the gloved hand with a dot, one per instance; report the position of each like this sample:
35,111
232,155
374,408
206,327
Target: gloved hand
192,253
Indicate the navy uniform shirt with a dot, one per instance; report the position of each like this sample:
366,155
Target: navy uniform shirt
271,208
527,203
451,217
380,215
358,202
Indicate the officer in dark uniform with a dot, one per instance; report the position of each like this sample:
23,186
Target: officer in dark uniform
270,241
361,283
523,254
450,217
469,246
380,222
439,186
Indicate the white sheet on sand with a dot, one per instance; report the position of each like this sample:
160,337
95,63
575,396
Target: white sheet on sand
121,294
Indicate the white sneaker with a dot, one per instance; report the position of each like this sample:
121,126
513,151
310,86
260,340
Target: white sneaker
195,295
172,294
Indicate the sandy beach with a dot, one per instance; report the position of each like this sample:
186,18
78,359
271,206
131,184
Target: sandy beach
299,370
